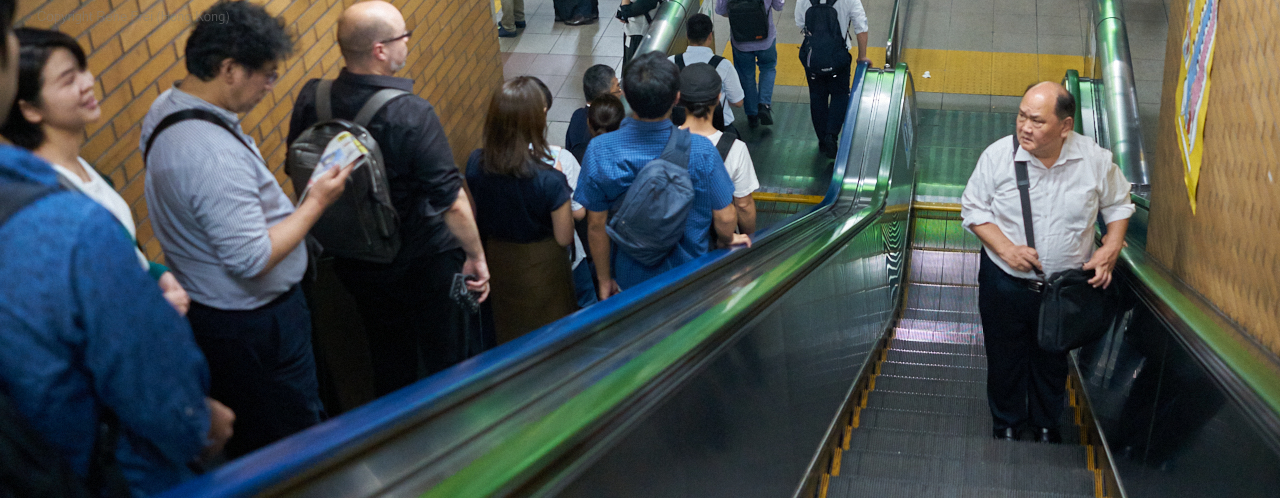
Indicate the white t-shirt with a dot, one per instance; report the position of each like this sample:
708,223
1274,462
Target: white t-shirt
741,170
102,193
567,164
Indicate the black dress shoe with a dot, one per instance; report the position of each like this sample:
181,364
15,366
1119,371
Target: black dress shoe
1007,434
1046,435
580,21
766,114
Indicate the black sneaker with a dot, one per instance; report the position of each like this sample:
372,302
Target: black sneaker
753,121
520,24
766,114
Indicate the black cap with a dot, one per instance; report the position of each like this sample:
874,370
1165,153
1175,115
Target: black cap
699,83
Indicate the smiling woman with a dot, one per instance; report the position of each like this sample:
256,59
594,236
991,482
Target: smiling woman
55,103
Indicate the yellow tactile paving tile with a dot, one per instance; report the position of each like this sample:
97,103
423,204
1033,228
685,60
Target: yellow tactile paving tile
951,71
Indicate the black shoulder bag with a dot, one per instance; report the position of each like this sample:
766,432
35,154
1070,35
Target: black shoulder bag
1072,312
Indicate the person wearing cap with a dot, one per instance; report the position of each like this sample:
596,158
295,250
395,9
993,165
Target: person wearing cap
652,86
700,96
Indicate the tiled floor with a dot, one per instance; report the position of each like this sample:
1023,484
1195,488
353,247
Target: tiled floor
979,53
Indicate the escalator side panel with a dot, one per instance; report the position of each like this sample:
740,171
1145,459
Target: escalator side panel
747,425
1172,430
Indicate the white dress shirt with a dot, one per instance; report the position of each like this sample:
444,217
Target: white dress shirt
847,11
1065,200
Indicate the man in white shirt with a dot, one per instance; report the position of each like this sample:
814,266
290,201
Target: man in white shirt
700,30
1072,181
829,92
700,95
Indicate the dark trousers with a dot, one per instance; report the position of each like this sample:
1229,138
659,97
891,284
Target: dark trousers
414,328
629,46
1025,384
262,367
828,101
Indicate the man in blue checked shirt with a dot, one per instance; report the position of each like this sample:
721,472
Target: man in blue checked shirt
652,86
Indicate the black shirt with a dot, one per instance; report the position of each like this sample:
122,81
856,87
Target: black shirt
420,170
516,209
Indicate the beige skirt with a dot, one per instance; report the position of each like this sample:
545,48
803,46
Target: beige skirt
531,285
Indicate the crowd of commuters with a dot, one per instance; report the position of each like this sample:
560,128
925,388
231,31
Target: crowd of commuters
172,369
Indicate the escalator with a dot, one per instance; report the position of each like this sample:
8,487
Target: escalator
840,356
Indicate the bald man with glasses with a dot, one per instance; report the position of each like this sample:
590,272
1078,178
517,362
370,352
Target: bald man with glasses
408,316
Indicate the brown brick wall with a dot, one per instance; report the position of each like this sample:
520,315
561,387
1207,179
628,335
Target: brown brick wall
1229,250
135,50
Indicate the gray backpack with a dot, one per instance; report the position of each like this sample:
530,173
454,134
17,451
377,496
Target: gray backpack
362,224
650,219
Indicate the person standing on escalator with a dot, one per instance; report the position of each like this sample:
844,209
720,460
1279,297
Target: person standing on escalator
753,36
827,64
635,17
1071,181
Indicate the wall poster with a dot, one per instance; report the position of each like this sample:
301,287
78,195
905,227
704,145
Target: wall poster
1193,87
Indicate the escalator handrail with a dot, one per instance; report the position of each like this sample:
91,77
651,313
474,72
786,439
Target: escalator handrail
667,24
537,444
1119,99
893,46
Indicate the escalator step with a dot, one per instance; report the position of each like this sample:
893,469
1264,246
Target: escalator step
967,448
952,360
900,344
933,372
943,472
847,487
959,316
932,423
943,405
957,388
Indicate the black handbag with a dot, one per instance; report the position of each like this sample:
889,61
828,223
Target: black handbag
1072,312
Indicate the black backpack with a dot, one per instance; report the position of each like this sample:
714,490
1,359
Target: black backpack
362,224
649,220
29,466
726,144
823,50
748,20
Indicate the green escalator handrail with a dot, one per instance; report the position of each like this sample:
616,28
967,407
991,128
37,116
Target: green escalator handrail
539,443
1255,367
1073,86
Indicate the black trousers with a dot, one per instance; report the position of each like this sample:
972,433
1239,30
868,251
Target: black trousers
828,101
414,328
629,45
1026,385
262,367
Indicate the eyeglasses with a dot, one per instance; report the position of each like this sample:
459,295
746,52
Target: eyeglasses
401,37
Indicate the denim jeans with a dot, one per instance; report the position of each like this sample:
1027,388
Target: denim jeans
584,284
745,63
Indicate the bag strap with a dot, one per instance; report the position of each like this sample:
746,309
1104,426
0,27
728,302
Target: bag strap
324,101
16,196
677,149
680,62
198,114
375,104
725,144
715,61
1024,191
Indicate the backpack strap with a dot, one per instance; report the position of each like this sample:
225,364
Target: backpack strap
680,62
16,196
725,144
198,114
677,149
324,101
715,61
1024,191
375,104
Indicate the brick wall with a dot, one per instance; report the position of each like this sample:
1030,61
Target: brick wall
135,49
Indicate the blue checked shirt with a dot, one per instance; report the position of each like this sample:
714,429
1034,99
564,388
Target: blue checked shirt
611,163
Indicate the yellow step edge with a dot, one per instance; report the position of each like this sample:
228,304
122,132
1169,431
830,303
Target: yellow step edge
794,198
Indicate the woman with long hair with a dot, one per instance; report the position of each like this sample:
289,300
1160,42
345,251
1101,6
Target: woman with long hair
523,211
55,103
